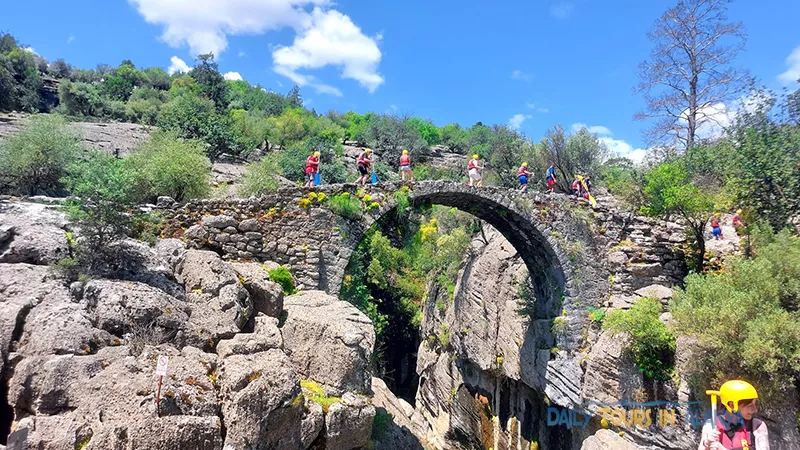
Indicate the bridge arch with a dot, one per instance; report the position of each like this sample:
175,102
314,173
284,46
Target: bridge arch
540,228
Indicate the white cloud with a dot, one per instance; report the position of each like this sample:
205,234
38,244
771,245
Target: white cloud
520,75
792,74
393,106
204,25
308,80
70,40
178,65
232,76
562,10
637,156
537,109
596,129
516,120
330,38
618,146
31,50
242,53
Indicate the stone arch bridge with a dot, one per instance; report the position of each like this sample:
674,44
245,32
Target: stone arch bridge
578,256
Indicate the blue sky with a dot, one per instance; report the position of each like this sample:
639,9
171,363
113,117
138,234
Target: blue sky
529,63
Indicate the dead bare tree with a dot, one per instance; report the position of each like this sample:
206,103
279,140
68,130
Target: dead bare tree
689,81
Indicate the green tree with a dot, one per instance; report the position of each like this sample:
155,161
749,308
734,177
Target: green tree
19,82
193,117
761,162
34,159
60,69
122,82
293,98
183,85
210,82
745,319
166,165
145,105
427,130
156,78
652,345
670,192
80,99
260,177
99,203
454,137
289,126
390,135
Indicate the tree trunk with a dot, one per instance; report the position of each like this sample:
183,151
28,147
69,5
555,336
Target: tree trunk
701,247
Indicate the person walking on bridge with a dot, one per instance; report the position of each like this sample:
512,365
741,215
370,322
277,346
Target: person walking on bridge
472,169
405,166
362,164
735,428
312,169
523,175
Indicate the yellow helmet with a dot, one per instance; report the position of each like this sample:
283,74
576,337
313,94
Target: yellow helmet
735,391
316,153
474,156
718,215
524,164
739,211
369,150
405,152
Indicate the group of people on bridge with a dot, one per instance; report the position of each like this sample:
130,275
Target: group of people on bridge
581,186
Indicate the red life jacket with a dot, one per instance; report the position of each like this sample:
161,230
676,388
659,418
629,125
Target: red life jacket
740,437
311,164
405,160
362,159
473,164
522,171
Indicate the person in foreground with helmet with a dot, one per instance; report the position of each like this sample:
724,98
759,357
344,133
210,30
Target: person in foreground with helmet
735,428
312,168
551,179
523,175
472,169
405,166
363,163
738,225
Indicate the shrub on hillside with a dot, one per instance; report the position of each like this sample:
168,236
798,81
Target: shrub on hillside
260,177
80,99
99,204
166,165
33,161
345,205
652,344
745,319
282,276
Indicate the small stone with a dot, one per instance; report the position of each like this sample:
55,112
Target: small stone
252,236
656,291
222,237
231,230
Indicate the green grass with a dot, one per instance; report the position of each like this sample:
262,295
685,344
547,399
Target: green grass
345,205
282,276
318,395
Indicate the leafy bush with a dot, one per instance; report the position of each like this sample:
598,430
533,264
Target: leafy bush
282,276
652,344
596,314
424,172
165,165
99,204
195,118
292,162
345,205
80,99
259,177
19,80
34,159
745,318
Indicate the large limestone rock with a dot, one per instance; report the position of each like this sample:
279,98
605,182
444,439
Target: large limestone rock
329,341
220,305
607,440
107,401
267,296
119,306
32,233
265,336
262,401
348,424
